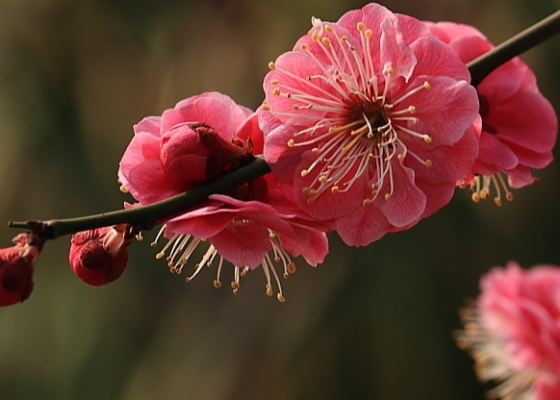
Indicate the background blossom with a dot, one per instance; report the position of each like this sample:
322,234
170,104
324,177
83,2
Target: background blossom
513,332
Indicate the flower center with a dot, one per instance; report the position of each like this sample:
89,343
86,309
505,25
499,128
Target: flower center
359,128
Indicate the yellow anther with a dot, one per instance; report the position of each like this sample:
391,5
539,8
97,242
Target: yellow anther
291,267
366,202
427,139
484,193
427,85
389,71
411,109
271,66
291,143
274,81
387,196
326,41
344,38
265,107
322,178
368,33
329,29
123,189
276,91
361,26
304,46
315,150
280,298
498,201
160,255
428,163
269,291
304,173
334,189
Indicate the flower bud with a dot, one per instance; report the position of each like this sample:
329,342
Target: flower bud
16,268
99,256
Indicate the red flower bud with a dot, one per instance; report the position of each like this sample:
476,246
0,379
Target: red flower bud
16,268
99,256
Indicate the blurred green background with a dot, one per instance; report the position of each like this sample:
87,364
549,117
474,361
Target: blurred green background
370,323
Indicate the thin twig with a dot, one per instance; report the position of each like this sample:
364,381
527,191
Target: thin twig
531,37
147,216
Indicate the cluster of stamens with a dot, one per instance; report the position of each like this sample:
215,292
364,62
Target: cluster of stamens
360,128
492,359
481,187
181,249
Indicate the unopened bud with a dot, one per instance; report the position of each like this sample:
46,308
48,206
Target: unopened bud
16,268
99,256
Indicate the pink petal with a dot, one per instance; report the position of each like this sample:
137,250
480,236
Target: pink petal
243,244
395,54
363,226
407,202
148,182
445,111
449,163
149,125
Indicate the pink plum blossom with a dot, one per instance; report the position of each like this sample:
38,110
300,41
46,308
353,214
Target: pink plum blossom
519,125
253,225
369,122
16,268
99,256
513,332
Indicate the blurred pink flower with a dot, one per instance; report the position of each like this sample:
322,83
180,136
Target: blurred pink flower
252,225
99,256
513,332
519,125
16,268
367,122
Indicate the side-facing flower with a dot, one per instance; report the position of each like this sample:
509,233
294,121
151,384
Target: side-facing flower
519,125
99,256
250,226
513,332
16,268
367,122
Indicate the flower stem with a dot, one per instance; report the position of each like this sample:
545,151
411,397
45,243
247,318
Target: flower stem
531,37
144,218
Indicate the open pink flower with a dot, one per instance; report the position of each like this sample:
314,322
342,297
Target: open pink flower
99,256
513,332
253,225
367,122
16,268
519,125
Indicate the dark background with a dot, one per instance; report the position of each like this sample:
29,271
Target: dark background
371,322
